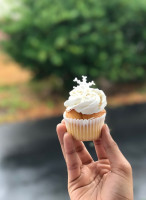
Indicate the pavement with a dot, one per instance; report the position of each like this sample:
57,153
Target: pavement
32,165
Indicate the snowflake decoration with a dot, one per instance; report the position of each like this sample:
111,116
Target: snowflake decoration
83,83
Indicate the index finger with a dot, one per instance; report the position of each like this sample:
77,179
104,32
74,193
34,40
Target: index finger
73,161
61,130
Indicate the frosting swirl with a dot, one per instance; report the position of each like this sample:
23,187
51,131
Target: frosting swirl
84,99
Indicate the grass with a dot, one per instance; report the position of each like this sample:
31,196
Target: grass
28,101
11,102
6,88
14,103
11,98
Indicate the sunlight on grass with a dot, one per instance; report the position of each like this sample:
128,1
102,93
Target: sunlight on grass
11,99
30,100
13,103
11,89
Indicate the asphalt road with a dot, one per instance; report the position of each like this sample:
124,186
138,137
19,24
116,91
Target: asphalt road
32,166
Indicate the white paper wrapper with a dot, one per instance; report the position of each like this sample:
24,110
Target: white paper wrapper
84,129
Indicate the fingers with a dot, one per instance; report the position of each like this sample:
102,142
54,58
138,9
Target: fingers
79,146
116,158
100,151
72,159
61,130
82,152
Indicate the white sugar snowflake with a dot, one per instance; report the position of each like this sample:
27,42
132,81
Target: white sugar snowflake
83,83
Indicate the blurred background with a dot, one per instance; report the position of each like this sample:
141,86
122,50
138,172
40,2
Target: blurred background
44,45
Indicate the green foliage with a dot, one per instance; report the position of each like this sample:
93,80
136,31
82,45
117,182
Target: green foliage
70,38
46,87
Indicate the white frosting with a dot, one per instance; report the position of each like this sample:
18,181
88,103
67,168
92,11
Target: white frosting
84,99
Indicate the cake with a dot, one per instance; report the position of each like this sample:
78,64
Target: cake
85,114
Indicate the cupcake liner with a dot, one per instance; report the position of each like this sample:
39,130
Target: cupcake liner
84,129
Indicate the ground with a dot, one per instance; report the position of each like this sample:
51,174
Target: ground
24,99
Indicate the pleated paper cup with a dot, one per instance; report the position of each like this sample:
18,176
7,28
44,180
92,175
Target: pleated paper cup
84,129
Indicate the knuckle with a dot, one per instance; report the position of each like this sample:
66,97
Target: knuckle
70,152
97,142
79,149
73,166
112,145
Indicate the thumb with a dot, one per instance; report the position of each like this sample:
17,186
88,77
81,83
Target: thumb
115,156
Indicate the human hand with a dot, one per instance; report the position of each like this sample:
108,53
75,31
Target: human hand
109,178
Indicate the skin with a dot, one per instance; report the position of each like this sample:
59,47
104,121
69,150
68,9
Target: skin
109,178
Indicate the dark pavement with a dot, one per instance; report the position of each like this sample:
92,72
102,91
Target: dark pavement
31,162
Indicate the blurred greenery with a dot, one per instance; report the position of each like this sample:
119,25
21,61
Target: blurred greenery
31,99
50,104
70,38
11,99
44,88
13,104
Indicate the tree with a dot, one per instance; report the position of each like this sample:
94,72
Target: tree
73,38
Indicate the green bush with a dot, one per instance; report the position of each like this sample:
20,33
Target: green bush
98,38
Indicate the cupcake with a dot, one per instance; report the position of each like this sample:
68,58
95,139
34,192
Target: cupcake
85,114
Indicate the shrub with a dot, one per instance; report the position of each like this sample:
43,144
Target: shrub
70,38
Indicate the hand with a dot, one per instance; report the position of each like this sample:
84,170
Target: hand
109,178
